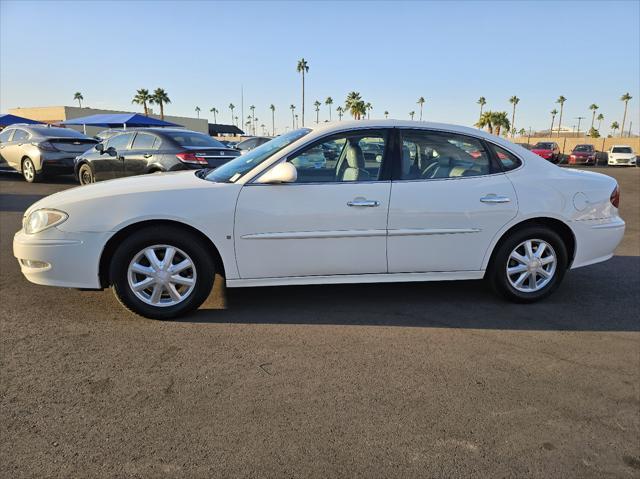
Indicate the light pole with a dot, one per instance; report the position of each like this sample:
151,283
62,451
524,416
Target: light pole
579,118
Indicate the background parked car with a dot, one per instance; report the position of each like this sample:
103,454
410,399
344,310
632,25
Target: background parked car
106,134
548,150
621,155
251,143
583,155
229,143
34,150
148,150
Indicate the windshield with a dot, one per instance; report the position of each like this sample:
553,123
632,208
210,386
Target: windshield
621,149
193,139
230,172
543,146
583,148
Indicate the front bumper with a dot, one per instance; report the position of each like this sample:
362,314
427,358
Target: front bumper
596,240
57,258
622,161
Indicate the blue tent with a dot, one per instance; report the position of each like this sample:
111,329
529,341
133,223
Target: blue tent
118,120
7,119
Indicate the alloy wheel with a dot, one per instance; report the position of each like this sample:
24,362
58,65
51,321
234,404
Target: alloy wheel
531,265
162,275
28,170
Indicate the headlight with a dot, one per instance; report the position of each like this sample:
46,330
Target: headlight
40,220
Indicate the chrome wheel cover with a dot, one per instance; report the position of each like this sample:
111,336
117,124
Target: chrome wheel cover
28,170
531,265
161,275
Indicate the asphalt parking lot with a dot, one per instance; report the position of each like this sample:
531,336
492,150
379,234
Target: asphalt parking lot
406,380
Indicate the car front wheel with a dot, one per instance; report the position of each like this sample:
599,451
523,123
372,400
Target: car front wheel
162,273
529,265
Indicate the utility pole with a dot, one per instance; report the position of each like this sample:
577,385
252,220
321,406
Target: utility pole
579,118
241,101
629,134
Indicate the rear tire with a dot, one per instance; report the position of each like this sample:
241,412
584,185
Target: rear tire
29,172
85,175
176,285
529,265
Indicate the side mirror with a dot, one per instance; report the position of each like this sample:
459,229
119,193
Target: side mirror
281,173
111,151
99,147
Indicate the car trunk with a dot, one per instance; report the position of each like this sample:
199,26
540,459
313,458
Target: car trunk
214,156
72,145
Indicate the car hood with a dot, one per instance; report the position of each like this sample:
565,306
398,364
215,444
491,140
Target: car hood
622,155
583,153
110,205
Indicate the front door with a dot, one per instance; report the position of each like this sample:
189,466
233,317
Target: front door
108,166
331,221
141,154
447,205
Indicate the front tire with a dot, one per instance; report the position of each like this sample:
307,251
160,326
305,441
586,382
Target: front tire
162,272
529,265
85,175
29,172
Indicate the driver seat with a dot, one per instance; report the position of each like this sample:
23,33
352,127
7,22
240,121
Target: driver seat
355,164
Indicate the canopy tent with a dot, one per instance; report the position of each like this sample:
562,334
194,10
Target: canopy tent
8,119
219,129
118,120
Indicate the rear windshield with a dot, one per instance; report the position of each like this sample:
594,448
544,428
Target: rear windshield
583,148
622,149
543,146
59,132
193,139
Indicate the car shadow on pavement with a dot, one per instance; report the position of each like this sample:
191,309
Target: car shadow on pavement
601,297
17,203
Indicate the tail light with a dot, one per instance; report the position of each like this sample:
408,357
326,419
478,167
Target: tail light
193,158
45,146
615,196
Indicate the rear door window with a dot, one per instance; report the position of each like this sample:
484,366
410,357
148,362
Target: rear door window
508,160
20,135
144,141
5,135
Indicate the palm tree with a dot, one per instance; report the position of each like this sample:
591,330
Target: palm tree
317,105
600,118
215,111
412,114
293,119
232,107
253,114
237,122
264,130
297,124
303,67
486,121
142,98
78,96
522,132
329,102
554,112
355,105
614,127
386,114
561,101
340,111
625,98
272,107
368,107
198,111
420,102
514,100
161,98
482,101
593,107
500,120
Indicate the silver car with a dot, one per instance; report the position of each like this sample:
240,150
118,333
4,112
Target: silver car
36,150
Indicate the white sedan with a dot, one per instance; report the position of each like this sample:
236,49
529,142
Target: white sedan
391,201
621,155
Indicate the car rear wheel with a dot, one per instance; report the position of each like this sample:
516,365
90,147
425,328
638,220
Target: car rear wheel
29,172
529,265
162,272
85,175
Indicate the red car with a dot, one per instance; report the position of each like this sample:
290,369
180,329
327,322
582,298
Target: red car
547,150
583,155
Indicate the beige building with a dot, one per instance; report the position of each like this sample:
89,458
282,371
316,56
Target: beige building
55,114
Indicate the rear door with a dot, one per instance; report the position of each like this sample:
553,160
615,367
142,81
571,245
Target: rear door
143,153
5,139
448,201
13,151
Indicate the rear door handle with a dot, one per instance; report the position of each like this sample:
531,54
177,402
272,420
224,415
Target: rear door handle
147,155
369,203
495,199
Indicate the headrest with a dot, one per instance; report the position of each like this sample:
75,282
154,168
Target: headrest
355,157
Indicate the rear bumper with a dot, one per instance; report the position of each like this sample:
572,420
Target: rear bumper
58,164
596,240
58,258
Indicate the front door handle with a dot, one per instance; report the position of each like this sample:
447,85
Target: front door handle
495,199
147,155
369,203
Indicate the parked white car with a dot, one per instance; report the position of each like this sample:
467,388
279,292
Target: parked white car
621,155
431,202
